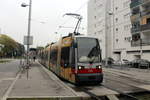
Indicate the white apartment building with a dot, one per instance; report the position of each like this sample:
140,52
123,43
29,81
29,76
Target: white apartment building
109,20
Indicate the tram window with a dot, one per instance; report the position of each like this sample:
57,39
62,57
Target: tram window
73,58
53,56
65,56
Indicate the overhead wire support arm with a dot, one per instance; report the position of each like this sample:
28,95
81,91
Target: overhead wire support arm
78,25
77,16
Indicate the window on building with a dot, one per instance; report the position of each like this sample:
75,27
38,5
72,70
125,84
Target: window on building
116,19
136,37
148,20
117,29
94,17
117,40
116,8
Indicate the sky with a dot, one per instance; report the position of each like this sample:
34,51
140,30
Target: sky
47,16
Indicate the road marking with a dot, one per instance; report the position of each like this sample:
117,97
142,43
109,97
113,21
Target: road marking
146,87
112,97
5,96
6,79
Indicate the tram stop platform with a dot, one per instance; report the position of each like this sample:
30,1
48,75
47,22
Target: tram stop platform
42,84
39,84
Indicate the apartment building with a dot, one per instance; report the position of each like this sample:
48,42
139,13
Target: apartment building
140,31
110,21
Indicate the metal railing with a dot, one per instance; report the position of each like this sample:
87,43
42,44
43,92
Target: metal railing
135,30
145,27
135,3
145,1
135,16
144,42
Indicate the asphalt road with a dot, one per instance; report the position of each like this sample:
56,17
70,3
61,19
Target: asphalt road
8,72
126,81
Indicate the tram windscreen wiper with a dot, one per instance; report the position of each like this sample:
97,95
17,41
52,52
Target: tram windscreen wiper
91,62
93,54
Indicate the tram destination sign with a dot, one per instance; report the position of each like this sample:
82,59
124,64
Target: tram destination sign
26,40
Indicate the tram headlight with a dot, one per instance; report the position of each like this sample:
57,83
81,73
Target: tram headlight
80,67
99,67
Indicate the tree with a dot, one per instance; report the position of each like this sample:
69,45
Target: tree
11,47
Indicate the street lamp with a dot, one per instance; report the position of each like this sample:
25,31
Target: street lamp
29,26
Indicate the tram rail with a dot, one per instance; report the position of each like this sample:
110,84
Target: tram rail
96,97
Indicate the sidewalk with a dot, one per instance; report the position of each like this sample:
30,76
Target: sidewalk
39,84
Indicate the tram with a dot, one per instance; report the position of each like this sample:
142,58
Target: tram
75,58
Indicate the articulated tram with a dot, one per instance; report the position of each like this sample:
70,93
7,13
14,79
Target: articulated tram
74,58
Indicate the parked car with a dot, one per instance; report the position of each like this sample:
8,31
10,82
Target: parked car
124,62
140,63
109,61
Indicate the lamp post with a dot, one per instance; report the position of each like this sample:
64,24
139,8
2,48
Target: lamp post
29,27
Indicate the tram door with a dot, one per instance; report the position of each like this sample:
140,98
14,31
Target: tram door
65,68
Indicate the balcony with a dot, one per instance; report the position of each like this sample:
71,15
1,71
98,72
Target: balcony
145,1
135,3
146,12
143,42
135,17
135,43
135,30
145,27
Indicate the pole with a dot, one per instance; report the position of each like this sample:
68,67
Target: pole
141,52
28,35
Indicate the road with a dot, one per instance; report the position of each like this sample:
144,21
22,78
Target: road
127,80
8,72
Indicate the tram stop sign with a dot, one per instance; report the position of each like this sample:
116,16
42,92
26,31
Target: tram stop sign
26,38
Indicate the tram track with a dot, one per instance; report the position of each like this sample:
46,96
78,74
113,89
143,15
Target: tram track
126,81
97,97
116,80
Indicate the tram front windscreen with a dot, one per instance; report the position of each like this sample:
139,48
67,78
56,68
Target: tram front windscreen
88,50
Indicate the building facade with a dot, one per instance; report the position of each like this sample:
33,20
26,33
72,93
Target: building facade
111,21
140,31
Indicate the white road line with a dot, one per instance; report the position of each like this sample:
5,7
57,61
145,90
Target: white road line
112,97
5,79
5,96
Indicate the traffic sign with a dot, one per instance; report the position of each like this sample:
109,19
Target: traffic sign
28,40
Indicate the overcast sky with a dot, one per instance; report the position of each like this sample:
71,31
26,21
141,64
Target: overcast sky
47,16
